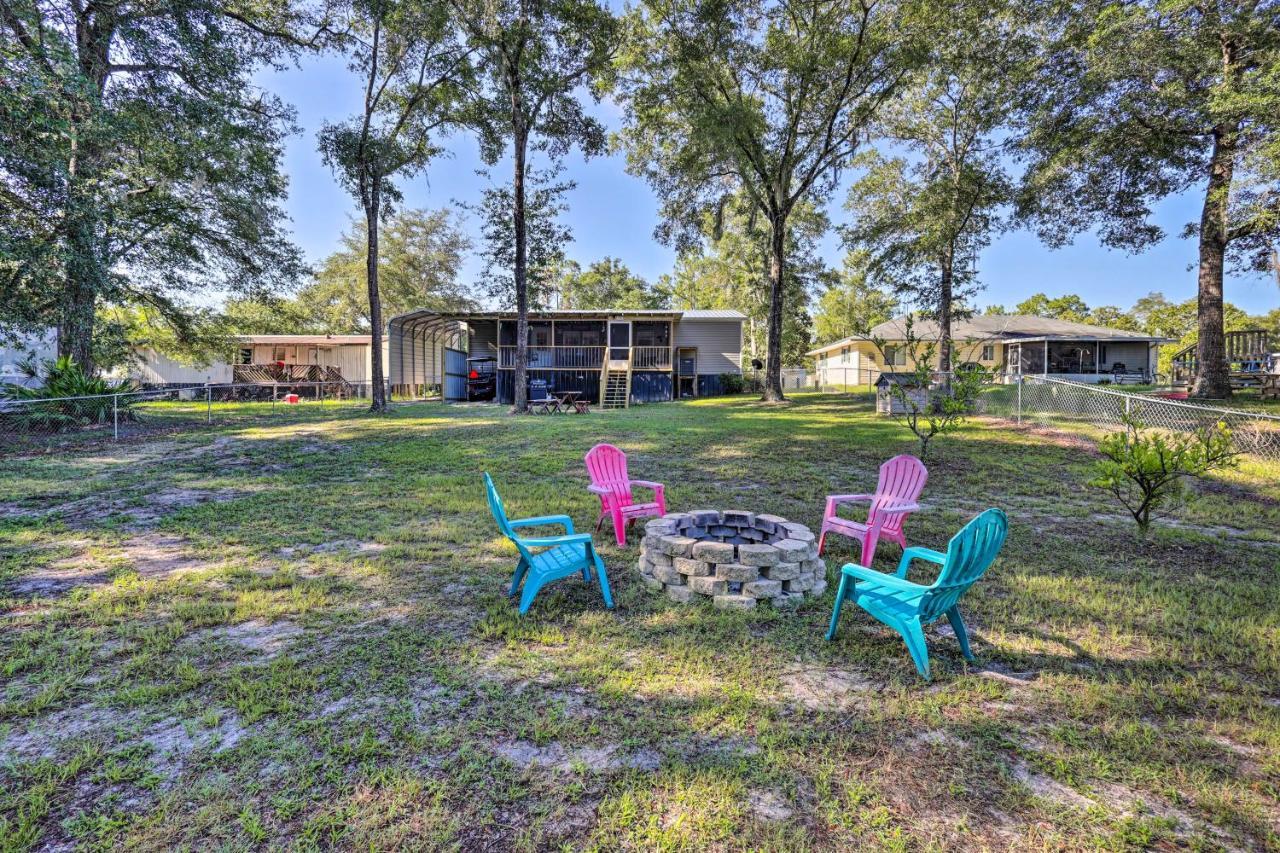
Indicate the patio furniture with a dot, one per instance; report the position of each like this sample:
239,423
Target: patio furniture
582,406
559,557
565,400
607,467
907,607
902,480
540,400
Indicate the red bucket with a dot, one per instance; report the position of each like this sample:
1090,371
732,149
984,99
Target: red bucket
291,398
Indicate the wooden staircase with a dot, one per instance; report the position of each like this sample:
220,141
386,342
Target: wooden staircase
615,385
1246,354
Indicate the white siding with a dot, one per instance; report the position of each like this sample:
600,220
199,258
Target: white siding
41,347
153,368
719,344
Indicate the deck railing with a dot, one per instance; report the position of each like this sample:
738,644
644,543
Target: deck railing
544,358
651,358
584,358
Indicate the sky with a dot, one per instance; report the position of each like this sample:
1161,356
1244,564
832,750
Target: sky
613,214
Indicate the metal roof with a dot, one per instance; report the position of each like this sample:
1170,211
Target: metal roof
304,339
571,313
1001,328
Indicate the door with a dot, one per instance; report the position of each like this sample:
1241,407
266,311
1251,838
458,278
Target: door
687,372
619,340
454,386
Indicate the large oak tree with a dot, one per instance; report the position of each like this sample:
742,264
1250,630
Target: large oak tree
138,162
1143,99
770,97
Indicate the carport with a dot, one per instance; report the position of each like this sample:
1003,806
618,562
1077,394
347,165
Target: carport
427,355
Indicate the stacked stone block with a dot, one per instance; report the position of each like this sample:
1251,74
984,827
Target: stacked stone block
734,557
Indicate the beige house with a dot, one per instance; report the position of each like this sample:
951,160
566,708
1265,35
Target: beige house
1008,344
266,358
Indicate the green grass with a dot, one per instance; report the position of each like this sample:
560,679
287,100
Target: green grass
293,633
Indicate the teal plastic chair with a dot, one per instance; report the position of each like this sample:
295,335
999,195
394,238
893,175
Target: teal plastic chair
907,607
557,556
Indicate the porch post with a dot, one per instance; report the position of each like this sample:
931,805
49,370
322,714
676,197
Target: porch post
1044,368
1097,358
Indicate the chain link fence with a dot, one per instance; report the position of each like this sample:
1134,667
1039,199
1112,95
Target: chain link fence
47,424
1066,405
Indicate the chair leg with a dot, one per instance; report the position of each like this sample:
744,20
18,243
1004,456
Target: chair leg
835,611
604,579
518,576
869,541
619,529
913,634
600,519
526,598
822,540
957,625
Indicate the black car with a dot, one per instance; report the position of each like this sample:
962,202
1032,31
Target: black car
482,377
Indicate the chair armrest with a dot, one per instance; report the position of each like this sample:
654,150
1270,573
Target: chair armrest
647,484
548,541
599,490
540,521
919,553
890,510
865,574
845,499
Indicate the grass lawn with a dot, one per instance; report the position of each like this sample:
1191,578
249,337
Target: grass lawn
294,634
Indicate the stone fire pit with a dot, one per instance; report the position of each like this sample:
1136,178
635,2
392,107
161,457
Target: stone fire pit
735,558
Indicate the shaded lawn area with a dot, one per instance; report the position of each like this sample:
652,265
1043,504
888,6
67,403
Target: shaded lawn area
296,635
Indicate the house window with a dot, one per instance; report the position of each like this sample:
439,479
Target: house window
277,353
246,355
895,356
539,334
988,352
844,355
651,334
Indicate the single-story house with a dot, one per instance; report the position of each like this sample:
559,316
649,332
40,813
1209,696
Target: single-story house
616,356
1008,344
38,347
265,359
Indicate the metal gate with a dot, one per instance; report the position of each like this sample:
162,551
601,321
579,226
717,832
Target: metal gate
455,375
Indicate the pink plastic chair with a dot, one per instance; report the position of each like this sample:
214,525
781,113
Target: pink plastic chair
607,466
902,480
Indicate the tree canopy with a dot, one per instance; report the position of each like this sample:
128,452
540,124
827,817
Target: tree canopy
606,283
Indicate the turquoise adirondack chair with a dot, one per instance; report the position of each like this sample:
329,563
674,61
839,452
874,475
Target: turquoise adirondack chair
556,556
907,607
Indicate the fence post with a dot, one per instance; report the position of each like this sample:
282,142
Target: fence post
1127,400
115,417
208,402
1019,398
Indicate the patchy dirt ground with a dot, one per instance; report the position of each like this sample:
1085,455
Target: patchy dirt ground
297,635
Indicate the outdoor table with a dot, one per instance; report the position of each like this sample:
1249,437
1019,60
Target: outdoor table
565,400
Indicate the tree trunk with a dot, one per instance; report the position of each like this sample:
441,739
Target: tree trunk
373,203
945,286
520,399
773,358
1213,378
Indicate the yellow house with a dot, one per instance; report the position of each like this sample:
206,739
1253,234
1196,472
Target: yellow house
1008,344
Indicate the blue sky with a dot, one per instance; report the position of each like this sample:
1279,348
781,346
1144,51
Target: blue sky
612,213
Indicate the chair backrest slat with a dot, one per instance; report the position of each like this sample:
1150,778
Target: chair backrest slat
902,479
607,467
969,554
500,515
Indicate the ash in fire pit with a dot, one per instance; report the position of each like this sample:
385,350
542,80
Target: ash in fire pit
733,557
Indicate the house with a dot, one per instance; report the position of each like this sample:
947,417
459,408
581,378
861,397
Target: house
617,357
265,359
1008,344
20,349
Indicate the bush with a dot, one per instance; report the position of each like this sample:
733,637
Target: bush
1145,468
732,383
76,398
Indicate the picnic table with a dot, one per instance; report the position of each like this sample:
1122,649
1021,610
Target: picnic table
569,401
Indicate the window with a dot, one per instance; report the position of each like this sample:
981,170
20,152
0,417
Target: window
277,353
844,355
895,357
246,355
539,334
651,334
988,352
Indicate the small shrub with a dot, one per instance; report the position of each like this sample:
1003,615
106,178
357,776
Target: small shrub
76,398
1145,468
732,383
